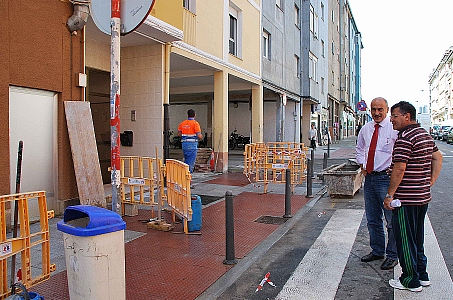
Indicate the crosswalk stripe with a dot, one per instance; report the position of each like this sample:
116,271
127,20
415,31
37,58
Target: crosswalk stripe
319,273
441,283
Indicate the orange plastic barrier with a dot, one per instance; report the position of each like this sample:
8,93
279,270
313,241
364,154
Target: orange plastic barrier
140,177
32,241
267,163
178,190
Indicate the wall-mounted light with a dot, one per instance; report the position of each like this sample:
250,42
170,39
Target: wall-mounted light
133,115
235,105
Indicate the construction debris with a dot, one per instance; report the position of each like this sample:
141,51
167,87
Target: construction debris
159,225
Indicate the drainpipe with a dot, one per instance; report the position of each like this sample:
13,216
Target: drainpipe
167,102
79,17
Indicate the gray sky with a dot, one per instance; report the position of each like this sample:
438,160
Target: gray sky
403,42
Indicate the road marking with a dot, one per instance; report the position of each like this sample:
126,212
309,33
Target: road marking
319,273
441,283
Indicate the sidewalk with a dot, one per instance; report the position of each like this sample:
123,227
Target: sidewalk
171,265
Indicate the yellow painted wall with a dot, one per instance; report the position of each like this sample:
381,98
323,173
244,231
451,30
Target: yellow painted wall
169,11
210,16
213,38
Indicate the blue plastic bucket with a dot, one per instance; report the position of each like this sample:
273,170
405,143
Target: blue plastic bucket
195,224
35,296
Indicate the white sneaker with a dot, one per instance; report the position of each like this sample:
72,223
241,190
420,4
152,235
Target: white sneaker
395,283
425,282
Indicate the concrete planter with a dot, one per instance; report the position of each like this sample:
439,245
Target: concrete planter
343,180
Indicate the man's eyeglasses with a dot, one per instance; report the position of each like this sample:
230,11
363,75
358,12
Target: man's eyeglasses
394,116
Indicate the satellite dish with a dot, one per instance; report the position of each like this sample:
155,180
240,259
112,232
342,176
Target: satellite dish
133,13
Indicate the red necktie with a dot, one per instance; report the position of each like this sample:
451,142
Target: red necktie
372,150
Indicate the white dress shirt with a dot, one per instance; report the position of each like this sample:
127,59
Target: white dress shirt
384,147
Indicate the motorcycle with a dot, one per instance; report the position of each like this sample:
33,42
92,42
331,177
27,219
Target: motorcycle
175,141
237,140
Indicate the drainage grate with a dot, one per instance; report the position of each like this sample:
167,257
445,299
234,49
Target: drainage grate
271,220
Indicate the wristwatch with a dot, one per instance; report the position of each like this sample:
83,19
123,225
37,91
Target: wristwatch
388,196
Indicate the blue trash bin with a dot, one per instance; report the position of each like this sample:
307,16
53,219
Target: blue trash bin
195,224
94,250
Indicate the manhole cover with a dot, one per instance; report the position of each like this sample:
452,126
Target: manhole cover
271,220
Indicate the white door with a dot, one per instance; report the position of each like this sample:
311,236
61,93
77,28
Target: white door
32,119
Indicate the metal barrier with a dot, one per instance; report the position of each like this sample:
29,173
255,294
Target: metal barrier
140,177
178,190
267,163
32,244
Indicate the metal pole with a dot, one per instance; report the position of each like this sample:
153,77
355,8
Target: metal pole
288,194
312,164
16,212
324,163
229,226
309,179
115,102
328,144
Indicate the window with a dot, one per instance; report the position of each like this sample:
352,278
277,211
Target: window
235,32
333,47
322,85
296,16
322,11
313,21
266,45
333,16
313,65
323,52
233,35
189,5
333,78
297,66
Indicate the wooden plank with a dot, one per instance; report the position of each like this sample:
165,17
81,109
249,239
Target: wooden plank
84,153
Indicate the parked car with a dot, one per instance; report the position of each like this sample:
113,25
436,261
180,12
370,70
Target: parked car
435,131
450,137
444,133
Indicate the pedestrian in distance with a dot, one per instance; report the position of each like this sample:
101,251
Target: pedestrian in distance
374,154
313,133
190,132
415,167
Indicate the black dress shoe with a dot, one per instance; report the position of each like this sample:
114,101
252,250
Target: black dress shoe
389,263
370,257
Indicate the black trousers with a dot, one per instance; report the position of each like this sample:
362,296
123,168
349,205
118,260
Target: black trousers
409,230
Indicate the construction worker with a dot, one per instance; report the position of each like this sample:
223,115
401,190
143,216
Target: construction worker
190,132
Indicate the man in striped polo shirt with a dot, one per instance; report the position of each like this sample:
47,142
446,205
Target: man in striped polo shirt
190,132
416,164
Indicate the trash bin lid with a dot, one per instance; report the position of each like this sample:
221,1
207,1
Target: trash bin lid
87,220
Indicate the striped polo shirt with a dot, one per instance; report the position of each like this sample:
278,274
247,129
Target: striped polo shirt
415,147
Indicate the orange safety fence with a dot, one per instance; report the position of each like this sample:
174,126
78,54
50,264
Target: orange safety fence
267,163
31,247
142,182
178,190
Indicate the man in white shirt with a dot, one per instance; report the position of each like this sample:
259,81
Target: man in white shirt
374,159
